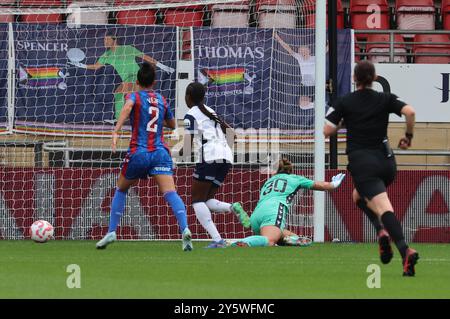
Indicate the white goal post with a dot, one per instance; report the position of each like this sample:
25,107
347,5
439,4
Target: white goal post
264,72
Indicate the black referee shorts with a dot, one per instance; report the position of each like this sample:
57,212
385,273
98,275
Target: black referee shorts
372,171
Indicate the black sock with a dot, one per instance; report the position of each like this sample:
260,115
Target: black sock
394,229
370,214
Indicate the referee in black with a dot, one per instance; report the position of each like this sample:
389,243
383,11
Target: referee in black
371,162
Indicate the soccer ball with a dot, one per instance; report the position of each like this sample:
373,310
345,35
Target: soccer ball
41,231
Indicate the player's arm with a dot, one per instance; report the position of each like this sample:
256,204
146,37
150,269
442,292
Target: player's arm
124,114
95,66
170,123
329,186
157,64
410,116
284,44
333,120
188,140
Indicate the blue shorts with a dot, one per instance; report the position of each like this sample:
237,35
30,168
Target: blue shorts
144,164
212,172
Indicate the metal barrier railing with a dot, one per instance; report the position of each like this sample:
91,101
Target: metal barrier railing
392,53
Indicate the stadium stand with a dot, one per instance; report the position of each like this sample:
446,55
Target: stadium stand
142,17
191,16
7,4
230,14
276,13
86,17
369,15
429,44
310,18
415,15
445,11
380,43
41,18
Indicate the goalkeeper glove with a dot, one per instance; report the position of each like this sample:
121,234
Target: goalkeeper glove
165,68
78,64
337,180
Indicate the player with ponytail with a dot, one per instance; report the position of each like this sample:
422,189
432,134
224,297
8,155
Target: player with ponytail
268,220
212,136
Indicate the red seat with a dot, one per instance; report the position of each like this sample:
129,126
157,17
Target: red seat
188,16
308,10
186,46
41,18
430,46
380,43
234,14
40,3
415,15
276,13
445,9
369,15
357,50
136,17
6,4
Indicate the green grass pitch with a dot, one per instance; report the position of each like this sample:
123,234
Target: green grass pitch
162,270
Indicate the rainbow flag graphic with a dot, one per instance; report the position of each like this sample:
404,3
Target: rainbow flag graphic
226,76
40,76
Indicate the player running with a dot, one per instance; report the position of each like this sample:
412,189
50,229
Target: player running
147,155
269,217
210,133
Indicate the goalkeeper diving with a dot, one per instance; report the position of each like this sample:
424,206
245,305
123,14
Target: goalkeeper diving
268,220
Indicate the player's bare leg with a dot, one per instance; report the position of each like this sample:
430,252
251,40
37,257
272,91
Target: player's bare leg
384,240
381,205
166,186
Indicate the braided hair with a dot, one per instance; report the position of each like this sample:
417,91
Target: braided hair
197,91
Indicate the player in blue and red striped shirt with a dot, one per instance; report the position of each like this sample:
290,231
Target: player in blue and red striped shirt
147,155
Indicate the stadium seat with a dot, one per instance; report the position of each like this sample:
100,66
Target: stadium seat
189,16
384,47
7,4
430,46
41,18
415,15
357,50
230,14
87,17
186,46
445,10
309,14
135,17
276,13
369,15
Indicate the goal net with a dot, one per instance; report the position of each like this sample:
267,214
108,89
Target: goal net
65,67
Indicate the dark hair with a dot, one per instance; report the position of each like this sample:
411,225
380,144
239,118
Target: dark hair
364,73
284,166
112,33
196,91
146,75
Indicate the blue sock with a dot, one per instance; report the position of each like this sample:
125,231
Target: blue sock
178,208
117,208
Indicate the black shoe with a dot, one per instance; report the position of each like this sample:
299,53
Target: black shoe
409,263
385,249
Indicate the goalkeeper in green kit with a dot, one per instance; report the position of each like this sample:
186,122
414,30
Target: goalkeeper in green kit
269,217
123,59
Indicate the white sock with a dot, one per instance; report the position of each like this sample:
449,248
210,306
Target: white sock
218,206
204,217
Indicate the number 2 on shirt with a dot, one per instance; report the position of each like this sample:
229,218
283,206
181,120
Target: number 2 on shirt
154,115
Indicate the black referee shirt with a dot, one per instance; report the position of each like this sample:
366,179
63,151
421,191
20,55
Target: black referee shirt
366,116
